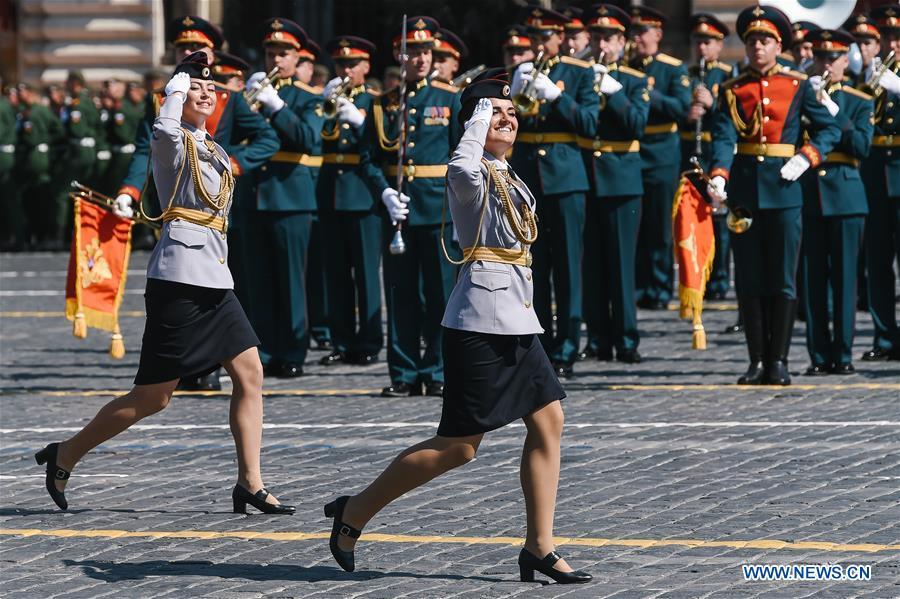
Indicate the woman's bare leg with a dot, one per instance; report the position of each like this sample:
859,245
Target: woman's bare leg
246,417
539,475
113,418
413,468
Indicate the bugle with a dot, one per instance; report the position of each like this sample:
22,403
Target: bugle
251,94
83,192
526,101
874,81
330,107
466,78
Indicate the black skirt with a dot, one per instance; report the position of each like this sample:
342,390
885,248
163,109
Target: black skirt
190,331
492,380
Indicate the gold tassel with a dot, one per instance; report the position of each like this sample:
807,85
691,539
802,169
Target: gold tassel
117,345
79,326
699,338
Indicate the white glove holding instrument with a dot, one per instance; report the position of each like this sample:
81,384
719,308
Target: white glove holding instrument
890,82
268,97
823,98
349,113
795,167
483,113
517,82
544,89
253,80
395,203
716,188
179,83
122,207
329,87
610,86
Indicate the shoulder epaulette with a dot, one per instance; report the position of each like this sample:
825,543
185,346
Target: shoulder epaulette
669,60
795,74
733,80
856,92
724,66
632,72
444,86
308,88
575,61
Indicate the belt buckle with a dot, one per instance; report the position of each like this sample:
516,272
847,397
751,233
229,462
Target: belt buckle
409,171
339,158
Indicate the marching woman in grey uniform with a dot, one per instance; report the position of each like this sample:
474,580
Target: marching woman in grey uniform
496,369
194,321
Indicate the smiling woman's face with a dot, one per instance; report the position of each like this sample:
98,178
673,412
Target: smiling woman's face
504,124
201,101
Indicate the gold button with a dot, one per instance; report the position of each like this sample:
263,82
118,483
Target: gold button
263,168
410,161
763,138
412,111
890,120
890,104
766,119
766,101
340,171
527,305
598,154
411,144
221,260
760,158
765,83
542,152
796,83
344,141
339,158
224,236
822,173
542,118
528,277
412,127
345,125
412,94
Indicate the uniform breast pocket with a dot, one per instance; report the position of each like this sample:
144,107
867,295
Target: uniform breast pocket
490,278
188,234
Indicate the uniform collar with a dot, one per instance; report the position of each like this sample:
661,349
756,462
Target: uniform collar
198,134
500,165
777,68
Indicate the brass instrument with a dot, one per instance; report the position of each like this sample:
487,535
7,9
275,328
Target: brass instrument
598,83
525,101
93,196
251,94
330,107
823,91
465,79
874,81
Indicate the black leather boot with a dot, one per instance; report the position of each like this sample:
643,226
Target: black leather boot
754,331
784,311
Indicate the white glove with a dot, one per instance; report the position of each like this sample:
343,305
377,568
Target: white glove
600,70
829,104
104,155
816,82
122,207
253,80
716,188
349,113
396,204
610,86
483,113
179,83
268,97
517,82
795,167
890,82
329,87
544,89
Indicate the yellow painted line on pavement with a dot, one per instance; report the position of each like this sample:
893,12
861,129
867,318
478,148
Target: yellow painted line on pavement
571,386
54,314
772,544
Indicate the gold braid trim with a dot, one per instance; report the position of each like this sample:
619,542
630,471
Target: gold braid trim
744,129
332,135
219,201
524,225
386,144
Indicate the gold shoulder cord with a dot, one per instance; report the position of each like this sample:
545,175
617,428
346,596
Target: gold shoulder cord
386,144
744,129
524,225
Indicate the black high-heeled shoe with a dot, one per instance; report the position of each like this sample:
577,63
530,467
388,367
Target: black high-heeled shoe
241,497
53,473
335,509
528,563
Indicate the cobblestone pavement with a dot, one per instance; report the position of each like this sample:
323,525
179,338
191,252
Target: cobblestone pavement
672,479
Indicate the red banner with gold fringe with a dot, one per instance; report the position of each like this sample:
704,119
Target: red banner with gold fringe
694,241
98,265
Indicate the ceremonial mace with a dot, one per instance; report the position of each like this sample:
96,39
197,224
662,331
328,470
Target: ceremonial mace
398,246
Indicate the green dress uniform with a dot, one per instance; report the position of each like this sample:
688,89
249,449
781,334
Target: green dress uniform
81,121
716,73
10,210
756,130
285,206
432,134
351,223
103,153
121,132
41,142
549,161
670,97
834,209
614,215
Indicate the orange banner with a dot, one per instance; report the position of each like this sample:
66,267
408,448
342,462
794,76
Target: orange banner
98,264
695,249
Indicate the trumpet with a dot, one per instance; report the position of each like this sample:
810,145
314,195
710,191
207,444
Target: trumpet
874,81
599,82
330,107
251,94
525,101
466,78
93,196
